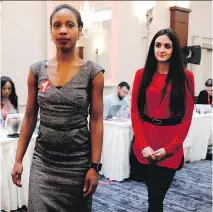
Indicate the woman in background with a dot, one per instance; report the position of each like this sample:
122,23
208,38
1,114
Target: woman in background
9,99
65,164
205,96
162,108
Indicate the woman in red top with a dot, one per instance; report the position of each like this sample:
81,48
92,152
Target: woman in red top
162,108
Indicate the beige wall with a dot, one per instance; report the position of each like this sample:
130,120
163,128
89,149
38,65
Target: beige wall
130,52
24,38
161,19
200,33
200,19
89,46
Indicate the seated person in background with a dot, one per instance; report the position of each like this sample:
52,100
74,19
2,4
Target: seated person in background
9,99
205,96
116,103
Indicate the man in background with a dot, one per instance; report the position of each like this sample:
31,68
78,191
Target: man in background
115,104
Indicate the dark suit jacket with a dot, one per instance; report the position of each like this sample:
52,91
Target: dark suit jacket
203,97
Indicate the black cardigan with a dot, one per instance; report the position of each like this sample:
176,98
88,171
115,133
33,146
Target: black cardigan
203,97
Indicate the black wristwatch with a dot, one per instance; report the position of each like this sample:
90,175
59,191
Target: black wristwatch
96,166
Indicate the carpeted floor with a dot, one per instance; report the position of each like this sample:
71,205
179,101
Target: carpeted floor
190,191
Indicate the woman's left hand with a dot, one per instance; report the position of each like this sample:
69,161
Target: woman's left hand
91,182
159,154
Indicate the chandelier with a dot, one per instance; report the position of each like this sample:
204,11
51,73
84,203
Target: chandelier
89,19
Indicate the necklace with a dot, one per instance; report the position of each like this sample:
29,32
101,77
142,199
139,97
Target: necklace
5,109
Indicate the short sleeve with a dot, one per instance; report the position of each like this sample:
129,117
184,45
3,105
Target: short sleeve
35,69
96,68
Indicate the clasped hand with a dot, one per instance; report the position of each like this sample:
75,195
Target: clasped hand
149,153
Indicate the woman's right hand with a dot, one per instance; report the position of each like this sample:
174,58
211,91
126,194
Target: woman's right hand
16,173
147,152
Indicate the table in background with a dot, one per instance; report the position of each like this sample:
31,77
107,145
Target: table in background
115,156
198,138
13,197
118,137
116,147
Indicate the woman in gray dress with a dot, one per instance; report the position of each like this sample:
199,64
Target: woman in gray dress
64,170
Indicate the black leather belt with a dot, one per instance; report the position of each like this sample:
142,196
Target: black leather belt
163,122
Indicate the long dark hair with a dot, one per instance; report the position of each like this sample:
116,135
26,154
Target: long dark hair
13,97
176,76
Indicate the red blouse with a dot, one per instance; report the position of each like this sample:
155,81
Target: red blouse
170,138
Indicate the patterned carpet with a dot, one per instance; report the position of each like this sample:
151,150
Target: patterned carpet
190,191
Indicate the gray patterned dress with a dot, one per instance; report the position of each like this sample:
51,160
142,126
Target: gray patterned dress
62,152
